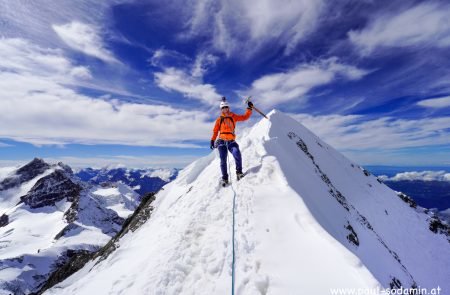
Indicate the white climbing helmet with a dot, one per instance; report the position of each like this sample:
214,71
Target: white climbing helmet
224,104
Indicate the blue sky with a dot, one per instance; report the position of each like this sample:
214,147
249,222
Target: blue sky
137,83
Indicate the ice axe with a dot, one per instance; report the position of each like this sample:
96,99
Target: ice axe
261,113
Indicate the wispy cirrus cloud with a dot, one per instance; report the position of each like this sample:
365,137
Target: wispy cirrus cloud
425,24
440,102
85,38
33,20
203,62
25,58
187,77
172,79
242,28
294,84
162,58
21,56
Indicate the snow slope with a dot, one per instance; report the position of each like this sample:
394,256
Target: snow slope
307,220
118,197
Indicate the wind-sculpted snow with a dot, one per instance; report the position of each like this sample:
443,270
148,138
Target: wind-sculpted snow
307,220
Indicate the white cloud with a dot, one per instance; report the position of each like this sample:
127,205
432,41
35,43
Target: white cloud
30,22
419,175
383,140
33,20
38,108
357,132
441,102
85,38
80,72
164,57
19,55
173,79
274,89
187,77
424,24
47,113
202,63
241,28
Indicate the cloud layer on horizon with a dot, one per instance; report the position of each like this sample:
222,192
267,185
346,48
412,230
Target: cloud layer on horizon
418,175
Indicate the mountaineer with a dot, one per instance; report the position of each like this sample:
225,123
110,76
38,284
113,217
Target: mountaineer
224,128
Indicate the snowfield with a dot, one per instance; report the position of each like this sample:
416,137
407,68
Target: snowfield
118,198
306,220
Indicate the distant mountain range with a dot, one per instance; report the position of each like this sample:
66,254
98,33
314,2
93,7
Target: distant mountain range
141,181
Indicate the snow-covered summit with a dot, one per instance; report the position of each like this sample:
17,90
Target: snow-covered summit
307,220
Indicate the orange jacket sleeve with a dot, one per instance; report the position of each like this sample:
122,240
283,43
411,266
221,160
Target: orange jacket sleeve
243,117
216,129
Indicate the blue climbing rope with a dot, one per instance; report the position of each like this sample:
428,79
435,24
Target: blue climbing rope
233,230
234,257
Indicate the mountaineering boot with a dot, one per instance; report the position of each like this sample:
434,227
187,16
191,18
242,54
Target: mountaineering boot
224,182
239,175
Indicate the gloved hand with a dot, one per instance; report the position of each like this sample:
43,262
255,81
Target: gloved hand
211,146
250,105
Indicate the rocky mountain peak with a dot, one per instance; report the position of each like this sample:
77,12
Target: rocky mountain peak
65,167
25,173
51,189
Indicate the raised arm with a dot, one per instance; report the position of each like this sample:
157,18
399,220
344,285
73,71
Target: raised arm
243,117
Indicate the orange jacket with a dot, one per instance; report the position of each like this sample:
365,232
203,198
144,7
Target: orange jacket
228,125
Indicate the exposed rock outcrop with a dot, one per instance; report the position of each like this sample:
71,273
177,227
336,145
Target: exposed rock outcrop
52,189
76,260
24,174
4,220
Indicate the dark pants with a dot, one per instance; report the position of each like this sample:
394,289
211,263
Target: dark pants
233,147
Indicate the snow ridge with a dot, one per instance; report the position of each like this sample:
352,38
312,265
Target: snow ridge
307,219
